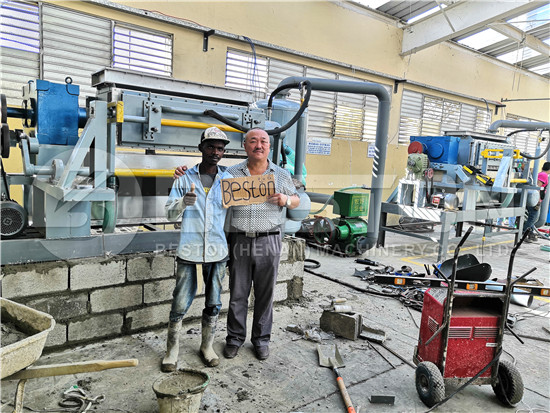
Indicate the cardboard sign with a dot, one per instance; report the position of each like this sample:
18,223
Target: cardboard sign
247,190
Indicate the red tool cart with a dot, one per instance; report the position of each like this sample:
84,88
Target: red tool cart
462,330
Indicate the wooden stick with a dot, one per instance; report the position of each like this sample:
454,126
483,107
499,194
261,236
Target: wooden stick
71,368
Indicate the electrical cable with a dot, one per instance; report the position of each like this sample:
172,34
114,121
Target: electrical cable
526,155
275,131
316,264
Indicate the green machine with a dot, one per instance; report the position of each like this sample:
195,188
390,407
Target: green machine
344,233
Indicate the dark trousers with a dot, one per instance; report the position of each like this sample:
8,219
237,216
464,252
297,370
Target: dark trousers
253,261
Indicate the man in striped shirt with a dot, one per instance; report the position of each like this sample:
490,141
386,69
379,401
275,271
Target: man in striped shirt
255,242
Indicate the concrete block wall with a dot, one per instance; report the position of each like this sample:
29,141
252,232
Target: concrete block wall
96,298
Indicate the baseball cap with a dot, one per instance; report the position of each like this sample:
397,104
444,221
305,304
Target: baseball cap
214,133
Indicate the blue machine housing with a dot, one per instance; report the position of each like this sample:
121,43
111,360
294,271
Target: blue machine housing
440,149
56,111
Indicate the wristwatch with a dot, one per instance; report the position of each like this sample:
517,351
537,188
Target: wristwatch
288,202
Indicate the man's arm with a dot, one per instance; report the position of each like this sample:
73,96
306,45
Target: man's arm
288,192
179,200
281,200
180,171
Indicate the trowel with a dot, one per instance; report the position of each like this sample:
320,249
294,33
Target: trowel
332,358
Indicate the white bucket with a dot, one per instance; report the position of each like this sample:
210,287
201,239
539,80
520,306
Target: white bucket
181,391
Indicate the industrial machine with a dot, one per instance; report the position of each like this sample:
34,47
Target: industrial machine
463,177
95,179
462,330
346,233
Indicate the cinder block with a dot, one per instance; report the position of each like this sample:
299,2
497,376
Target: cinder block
158,291
24,280
92,274
281,292
285,250
293,249
113,298
57,337
347,325
62,306
96,327
295,288
289,270
152,316
149,267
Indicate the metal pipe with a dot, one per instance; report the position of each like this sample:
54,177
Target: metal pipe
381,142
146,173
300,150
518,124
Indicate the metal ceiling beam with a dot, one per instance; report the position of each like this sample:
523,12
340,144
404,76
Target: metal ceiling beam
521,37
461,18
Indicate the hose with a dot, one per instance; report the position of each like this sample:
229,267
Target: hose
275,131
332,197
525,155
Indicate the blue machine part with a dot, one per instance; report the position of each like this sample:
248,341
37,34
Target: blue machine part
56,111
440,149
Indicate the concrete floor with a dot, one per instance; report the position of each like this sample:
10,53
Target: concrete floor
290,380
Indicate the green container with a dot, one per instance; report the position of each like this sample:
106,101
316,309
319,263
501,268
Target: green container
351,204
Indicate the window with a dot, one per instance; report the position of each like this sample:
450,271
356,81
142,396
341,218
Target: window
246,71
143,51
330,114
52,43
20,26
19,47
432,116
525,141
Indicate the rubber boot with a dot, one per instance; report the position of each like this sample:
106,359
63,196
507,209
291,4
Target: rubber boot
170,360
209,357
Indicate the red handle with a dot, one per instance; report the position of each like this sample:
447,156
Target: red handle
345,395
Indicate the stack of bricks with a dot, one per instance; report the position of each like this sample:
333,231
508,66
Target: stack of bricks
96,298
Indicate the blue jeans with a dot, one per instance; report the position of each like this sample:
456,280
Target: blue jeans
186,289
532,217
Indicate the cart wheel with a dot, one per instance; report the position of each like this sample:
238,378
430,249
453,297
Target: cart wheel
509,385
429,383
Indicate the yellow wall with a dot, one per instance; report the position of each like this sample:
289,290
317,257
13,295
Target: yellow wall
343,33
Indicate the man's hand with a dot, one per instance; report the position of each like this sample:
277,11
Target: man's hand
190,197
277,199
180,171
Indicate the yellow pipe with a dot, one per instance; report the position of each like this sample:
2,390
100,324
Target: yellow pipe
518,181
196,125
164,173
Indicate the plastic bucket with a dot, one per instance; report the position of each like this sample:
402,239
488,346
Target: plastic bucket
181,391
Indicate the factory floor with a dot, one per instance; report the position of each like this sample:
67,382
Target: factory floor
291,380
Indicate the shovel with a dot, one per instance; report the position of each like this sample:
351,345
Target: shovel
333,360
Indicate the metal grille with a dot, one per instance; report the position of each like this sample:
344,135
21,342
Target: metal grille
74,45
144,51
19,47
432,325
322,107
12,221
432,116
460,332
246,71
485,332
279,70
526,141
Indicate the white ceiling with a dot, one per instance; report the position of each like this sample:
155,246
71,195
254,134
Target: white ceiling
516,32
